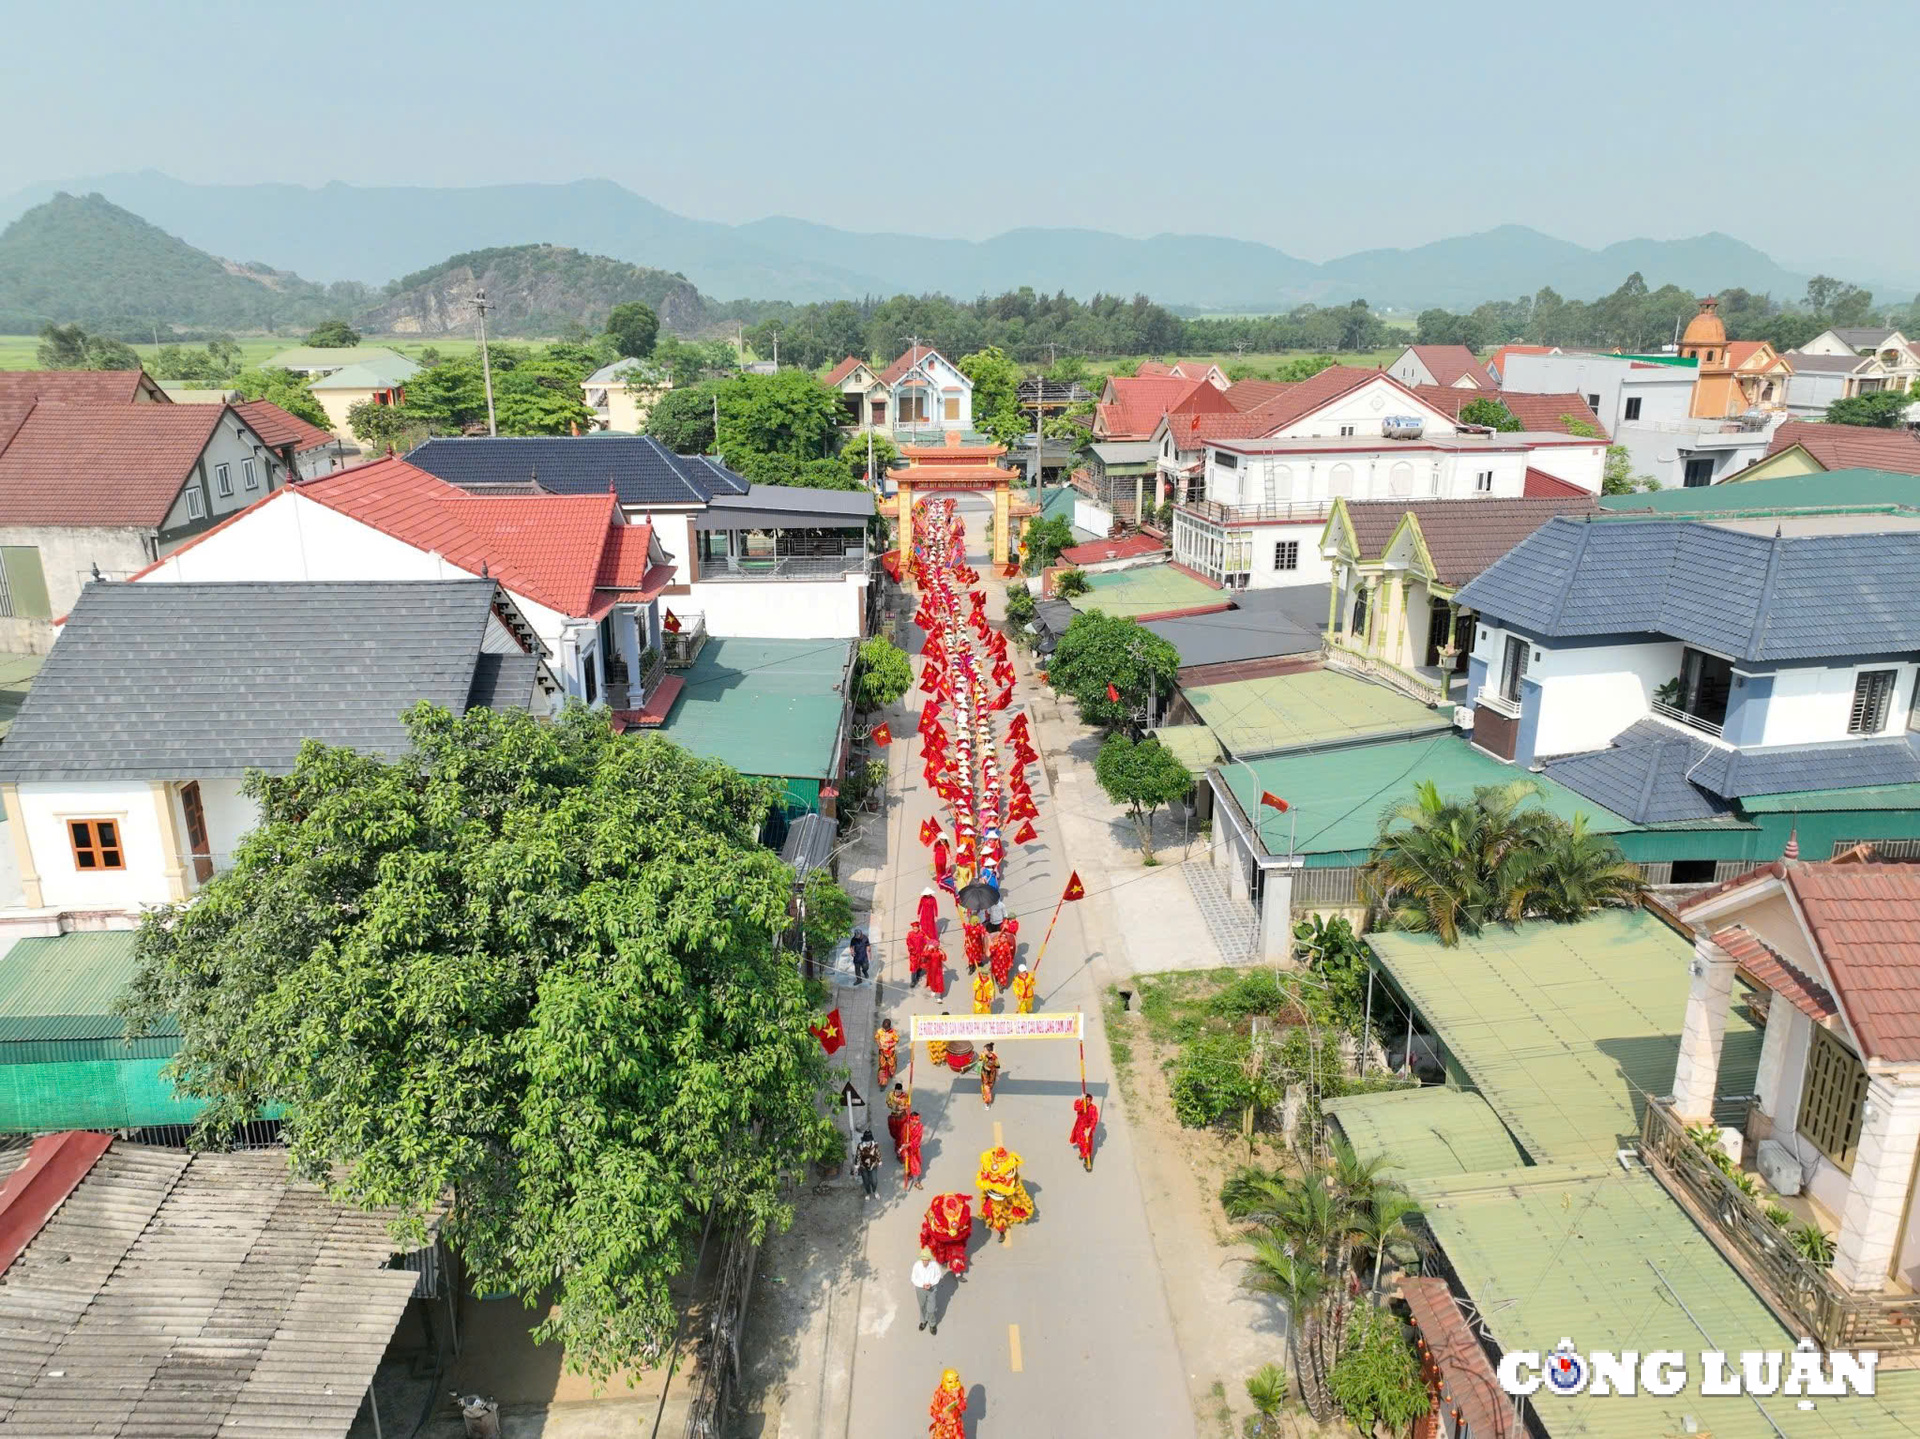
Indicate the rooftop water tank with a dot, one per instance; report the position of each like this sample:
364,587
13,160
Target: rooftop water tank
1402,427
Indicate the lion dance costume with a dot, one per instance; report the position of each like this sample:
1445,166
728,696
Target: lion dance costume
947,1228
948,1412
1004,1201
1001,952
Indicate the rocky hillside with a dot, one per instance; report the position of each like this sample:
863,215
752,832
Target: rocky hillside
535,290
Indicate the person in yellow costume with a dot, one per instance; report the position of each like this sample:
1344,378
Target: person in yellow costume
1024,986
947,1414
983,992
1004,1201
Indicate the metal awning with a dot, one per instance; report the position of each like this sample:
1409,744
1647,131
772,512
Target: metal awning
809,843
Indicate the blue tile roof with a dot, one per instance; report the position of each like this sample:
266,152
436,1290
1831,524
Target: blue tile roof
639,469
1754,597
1643,777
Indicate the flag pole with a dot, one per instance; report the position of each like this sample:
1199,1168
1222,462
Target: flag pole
1059,905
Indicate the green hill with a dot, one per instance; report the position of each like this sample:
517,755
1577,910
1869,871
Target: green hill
82,258
533,290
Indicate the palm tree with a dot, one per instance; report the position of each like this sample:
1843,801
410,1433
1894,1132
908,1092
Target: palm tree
1267,1388
1577,872
1381,1227
1302,1289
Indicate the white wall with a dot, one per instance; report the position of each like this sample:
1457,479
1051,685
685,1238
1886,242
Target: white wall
782,609
1409,473
1315,567
1665,392
68,556
1364,408
1663,452
1811,705
1582,465
1828,1184
1587,695
46,808
1094,518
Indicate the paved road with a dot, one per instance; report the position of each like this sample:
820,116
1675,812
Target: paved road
1066,1329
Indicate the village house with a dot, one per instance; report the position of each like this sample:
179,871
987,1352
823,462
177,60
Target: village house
379,379
1733,377
1804,447
1452,366
622,394
307,451
91,490
586,579
1899,358
122,774
1820,379
921,394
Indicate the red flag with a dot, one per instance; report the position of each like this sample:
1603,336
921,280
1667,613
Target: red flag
831,1034
930,678
1010,568
1003,699
1112,693
671,623
1075,890
1025,834
929,831
890,562
881,735
1269,798
1022,808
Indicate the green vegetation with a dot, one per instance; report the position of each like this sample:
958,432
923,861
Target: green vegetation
1616,470
1021,609
1043,542
1449,866
1143,776
1376,1380
69,347
1491,413
881,674
778,429
534,291
1267,1392
996,402
334,334
634,328
1882,409
531,965
1099,650
1071,584
535,392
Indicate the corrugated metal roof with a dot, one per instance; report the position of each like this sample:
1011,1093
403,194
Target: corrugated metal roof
1878,797
1312,707
766,707
64,986
1150,590
1572,1251
1564,1029
1830,489
1193,745
1423,1132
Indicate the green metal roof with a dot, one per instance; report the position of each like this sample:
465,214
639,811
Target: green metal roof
1564,1029
1149,590
376,374
1827,489
317,357
1881,797
1312,707
1423,1132
16,678
64,986
1338,796
765,707
1193,744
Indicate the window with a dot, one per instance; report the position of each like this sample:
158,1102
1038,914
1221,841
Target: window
223,480
1832,1098
247,476
1359,627
1286,555
1913,704
1699,472
1633,408
23,584
1226,461
1593,403
96,844
1872,696
1483,482
196,503
1514,670
1346,432
951,408
1706,681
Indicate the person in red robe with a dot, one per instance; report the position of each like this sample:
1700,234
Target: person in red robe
929,912
916,954
942,858
911,1133
1086,1122
898,1103
975,937
947,1414
1002,952
936,960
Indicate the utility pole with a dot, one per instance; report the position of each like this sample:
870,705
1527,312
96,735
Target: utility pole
776,349
486,364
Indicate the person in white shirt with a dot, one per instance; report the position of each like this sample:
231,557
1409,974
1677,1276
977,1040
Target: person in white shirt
926,1284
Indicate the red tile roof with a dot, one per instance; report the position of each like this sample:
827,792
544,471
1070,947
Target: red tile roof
1197,370
1462,536
1447,363
914,355
1865,919
1311,394
102,464
563,551
1246,394
1769,968
278,428
1543,414
1128,548
1497,361
840,371
1540,485
1138,403
658,706
1149,367
1846,447
79,387
1467,1380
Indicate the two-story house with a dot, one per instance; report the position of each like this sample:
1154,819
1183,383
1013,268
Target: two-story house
586,579
765,561
921,393
1453,366
1758,665
93,489
1819,379
1898,357
122,777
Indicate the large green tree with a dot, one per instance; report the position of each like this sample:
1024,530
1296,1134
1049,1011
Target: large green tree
789,414
996,398
1044,540
285,388
682,419
1882,409
1143,776
634,327
1100,649
333,334
1489,412
529,968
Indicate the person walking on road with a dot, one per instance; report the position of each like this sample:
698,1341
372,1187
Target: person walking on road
989,1073
1086,1123
983,992
911,1167
859,948
886,1049
947,1414
866,1163
926,1289
1024,985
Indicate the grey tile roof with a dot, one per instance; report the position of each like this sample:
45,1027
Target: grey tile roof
174,681
1788,769
1754,597
503,682
1825,364
1643,777
1655,773
638,468
1263,623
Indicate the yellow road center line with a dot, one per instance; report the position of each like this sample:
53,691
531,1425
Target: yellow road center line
1013,1344
998,1142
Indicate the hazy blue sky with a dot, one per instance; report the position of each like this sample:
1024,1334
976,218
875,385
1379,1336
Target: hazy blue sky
1321,128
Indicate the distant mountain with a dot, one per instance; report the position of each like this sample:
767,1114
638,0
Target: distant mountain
82,258
373,233
535,290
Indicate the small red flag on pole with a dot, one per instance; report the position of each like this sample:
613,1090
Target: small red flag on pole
671,623
1074,889
1273,801
1026,834
881,735
831,1033
929,831
1112,693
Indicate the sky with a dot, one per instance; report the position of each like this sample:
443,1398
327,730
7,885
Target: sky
1320,128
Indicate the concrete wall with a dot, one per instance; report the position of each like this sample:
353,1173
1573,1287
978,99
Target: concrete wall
1587,694
1812,704
45,810
68,554
1665,392
782,609
1663,452
232,444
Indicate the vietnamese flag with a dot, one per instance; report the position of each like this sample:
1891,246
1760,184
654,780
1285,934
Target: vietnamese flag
1022,808
1003,699
831,1033
1010,568
881,735
929,831
1026,834
1113,695
930,679
1273,801
890,562
671,623
1075,890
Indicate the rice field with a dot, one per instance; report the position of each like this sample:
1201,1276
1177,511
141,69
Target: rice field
19,352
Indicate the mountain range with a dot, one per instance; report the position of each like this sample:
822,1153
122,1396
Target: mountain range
340,232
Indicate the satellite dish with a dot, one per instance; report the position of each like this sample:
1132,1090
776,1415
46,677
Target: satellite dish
976,898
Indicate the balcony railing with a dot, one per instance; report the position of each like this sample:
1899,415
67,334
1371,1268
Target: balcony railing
1219,514
782,567
1803,1295
1680,716
682,649
1339,656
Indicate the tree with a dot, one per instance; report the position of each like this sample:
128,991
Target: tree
1881,409
1489,412
107,354
333,335
1376,1380
286,389
1098,650
885,452
1575,872
1267,1392
881,673
682,420
1142,776
789,414
541,395
69,347
530,965
1071,584
386,427
634,327
1616,471
826,913
996,397
1044,540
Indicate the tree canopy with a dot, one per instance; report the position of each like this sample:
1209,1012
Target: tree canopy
634,327
881,674
1882,409
1142,775
996,399
535,392
1489,412
333,334
70,347
1100,649
1044,540
530,966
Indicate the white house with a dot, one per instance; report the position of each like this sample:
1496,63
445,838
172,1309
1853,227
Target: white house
1454,366
1898,357
586,581
122,774
1820,378
920,393
1253,490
